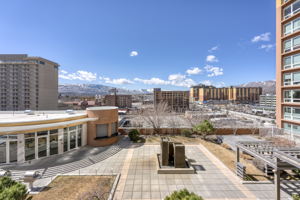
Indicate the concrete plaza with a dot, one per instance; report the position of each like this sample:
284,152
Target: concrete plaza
139,178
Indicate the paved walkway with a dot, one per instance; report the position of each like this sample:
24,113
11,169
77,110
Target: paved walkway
67,162
139,179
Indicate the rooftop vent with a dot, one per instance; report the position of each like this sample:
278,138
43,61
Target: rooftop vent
29,112
70,112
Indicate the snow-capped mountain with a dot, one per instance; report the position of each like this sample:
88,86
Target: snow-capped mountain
93,89
269,87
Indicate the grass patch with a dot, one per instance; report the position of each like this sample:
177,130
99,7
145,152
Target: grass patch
77,187
228,157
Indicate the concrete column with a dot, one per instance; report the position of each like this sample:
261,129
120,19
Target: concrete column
21,148
60,141
84,134
277,183
237,155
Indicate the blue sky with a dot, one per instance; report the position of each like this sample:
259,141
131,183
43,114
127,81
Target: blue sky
139,44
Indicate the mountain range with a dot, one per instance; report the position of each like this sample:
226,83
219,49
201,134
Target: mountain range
268,87
93,89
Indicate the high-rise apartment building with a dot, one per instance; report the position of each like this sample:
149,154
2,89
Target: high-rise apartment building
177,101
288,65
203,93
27,83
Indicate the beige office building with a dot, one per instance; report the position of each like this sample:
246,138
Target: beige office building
27,83
177,101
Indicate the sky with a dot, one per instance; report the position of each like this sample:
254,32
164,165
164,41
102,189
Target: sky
144,44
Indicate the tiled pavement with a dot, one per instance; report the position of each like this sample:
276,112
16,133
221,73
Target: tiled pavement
139,179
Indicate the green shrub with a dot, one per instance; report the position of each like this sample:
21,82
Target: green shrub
12,190
183,194
186,133
134,135
204,128
296,197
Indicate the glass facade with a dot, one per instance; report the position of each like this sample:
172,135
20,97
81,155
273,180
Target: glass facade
8,148
29,146
72,137
39,144
53,142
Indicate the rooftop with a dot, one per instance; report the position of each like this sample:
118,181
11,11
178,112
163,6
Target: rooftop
9,117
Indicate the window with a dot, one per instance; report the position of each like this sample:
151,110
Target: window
287,127
13,151
2,151
53,143
291,78
287,12
296,24
291,27
296,61
296,114
288,96
287,79
296,7
296,96
291,10
287,113
291,113
66,145
287,28
29,146
292,44
296,78
287,45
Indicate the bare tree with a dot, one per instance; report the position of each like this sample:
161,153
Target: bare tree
174,122
155,117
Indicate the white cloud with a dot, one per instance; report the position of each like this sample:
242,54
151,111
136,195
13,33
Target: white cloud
211,58
194,71
207,82
180,80
215,48
220,84
213,71
79,75
133,53
118,81
173,79
63,71
267,47
176,77
152,81
262,37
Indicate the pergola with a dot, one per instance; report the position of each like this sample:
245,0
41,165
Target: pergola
279,158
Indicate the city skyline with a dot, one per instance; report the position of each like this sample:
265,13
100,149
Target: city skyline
134,45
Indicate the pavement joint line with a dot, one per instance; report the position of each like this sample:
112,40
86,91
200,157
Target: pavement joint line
124,173
227,172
